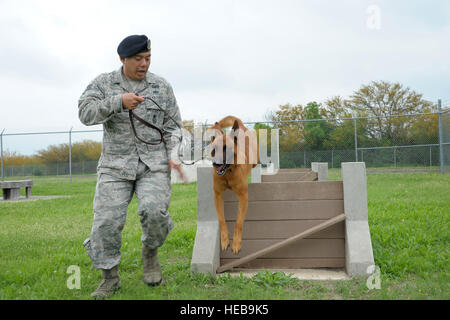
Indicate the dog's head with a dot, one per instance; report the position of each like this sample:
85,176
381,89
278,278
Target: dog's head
223,148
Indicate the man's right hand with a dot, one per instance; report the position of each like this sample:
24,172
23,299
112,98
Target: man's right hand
130,101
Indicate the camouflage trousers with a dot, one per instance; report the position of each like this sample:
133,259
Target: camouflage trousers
111,200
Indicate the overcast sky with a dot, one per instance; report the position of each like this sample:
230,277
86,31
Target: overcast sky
222,57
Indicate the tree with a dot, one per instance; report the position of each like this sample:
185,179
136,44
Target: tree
55,153
316,132
337,108
15,159
86,150
342,135
386,100
291,132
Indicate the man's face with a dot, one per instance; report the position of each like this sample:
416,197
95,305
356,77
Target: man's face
136,67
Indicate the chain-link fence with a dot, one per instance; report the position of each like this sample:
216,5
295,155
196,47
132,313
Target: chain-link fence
50,153
51,169
445,137
419,141
410,141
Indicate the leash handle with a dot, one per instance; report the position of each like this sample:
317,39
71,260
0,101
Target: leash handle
133,115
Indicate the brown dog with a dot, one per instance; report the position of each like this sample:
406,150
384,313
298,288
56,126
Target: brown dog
233,156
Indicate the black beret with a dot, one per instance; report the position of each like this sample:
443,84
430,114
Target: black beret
132,45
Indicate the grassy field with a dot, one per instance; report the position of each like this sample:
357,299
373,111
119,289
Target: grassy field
39,240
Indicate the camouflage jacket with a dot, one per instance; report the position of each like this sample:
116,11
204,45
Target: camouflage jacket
101,103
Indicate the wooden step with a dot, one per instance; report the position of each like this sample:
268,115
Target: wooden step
290,176
280,191
286,210
279,230
291,263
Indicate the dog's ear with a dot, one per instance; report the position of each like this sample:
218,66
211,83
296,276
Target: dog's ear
235,125
234,132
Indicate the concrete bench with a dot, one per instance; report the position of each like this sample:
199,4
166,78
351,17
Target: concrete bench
11,189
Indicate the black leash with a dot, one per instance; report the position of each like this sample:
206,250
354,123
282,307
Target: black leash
132,115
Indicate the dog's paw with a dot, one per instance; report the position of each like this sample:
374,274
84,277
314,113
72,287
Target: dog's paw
236,247
224,242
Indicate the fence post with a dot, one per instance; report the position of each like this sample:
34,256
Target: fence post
395,157
70,154
430,159
332,158
304,158
356,141
441,138
1,152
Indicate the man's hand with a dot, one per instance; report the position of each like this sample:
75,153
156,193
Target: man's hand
130,101
177,167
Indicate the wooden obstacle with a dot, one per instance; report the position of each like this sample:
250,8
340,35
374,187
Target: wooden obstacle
278,211
317,172
289,224
291,175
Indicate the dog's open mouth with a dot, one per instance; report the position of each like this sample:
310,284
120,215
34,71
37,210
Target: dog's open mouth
221,169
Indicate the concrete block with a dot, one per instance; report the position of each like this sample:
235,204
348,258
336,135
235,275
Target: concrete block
358,244
322,170
206,211
256,174
358,248
206,253
355,191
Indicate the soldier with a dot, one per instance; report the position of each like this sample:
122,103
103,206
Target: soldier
136,158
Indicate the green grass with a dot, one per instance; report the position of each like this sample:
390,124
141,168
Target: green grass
408,216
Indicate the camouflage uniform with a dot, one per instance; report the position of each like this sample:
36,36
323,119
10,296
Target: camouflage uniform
129,166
